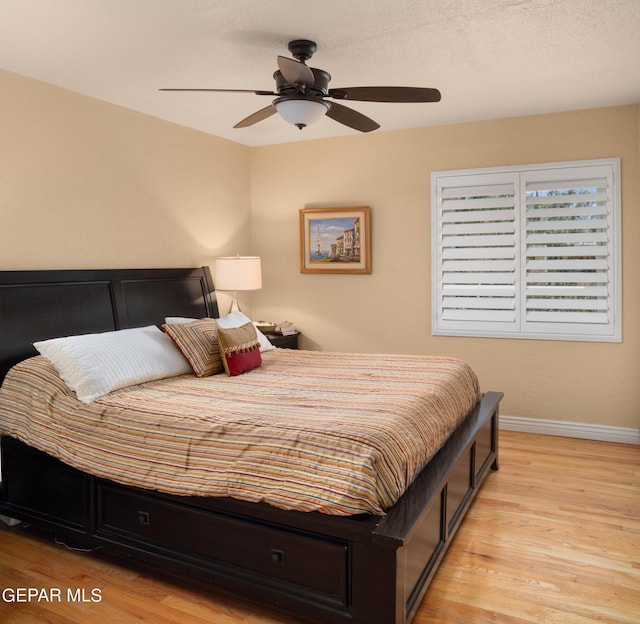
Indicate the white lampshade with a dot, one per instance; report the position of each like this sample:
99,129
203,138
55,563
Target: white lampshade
238,273
301,112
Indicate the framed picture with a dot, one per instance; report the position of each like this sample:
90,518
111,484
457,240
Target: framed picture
335,240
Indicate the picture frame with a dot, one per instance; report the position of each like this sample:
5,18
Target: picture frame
335,240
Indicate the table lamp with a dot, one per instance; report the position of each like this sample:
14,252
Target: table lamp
236,273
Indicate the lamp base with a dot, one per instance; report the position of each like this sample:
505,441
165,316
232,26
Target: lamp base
234,304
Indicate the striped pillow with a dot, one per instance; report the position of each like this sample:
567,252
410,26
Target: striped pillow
198,342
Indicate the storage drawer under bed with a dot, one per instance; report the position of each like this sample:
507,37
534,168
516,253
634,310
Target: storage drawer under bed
152,523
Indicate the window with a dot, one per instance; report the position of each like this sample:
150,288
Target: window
528,252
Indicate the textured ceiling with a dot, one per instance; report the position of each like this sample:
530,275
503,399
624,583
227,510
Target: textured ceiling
489,58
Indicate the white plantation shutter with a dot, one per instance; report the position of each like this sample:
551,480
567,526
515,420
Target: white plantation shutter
531,252
568,235
477,260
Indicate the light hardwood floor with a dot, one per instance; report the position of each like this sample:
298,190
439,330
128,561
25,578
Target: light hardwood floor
553,537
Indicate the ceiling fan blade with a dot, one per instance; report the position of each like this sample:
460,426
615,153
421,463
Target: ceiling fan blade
386,94
295,72
352,118
256,92
254,118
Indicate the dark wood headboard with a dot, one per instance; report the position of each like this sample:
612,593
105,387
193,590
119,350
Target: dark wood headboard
37,305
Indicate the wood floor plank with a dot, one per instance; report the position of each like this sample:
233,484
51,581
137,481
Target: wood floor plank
553,537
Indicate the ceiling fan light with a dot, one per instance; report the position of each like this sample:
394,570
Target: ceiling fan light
301,112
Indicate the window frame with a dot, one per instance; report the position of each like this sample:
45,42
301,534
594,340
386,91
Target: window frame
454,188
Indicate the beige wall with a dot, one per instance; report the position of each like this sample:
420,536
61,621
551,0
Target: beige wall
86,184
389,310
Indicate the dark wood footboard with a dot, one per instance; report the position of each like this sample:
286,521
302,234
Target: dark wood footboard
363,569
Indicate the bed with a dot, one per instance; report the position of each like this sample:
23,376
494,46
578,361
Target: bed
367,567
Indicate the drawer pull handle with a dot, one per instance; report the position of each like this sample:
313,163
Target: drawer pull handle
144,518
277,556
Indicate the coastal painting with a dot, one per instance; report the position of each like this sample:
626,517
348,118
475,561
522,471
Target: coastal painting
335,240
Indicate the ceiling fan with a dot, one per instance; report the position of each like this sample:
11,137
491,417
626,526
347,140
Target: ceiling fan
301,93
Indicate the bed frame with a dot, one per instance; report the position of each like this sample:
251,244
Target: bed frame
362,569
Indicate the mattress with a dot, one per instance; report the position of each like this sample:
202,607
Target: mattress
336,433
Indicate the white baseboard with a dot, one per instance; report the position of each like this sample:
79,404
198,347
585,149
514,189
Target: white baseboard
565,429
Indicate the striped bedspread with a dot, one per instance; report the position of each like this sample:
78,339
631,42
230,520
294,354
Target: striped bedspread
336,433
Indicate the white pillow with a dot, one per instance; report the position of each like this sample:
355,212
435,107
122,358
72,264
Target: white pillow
230,321
179,320
94,364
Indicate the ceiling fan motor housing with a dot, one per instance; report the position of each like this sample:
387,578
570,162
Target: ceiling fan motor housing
320,86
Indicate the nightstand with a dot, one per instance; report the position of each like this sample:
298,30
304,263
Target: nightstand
284,342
